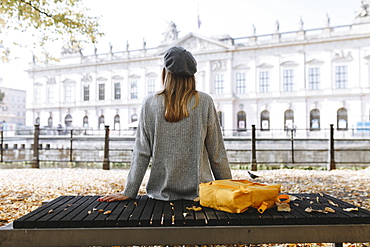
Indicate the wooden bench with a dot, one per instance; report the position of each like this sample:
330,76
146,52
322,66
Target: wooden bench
83,221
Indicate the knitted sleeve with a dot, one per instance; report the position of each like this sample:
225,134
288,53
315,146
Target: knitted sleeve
215,146
140,158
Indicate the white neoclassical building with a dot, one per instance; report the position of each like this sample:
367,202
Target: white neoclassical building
306,79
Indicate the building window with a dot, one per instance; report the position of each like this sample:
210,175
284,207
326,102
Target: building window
264,79
265,120
85,122
68,93
241,84
340,77
219,84
313,78
116,122
133,117
50,94
68,121
315,119
242,120
151,86
288,119
101,122
102,91
37,95
288,80
342,119
133,90
117,90
86,92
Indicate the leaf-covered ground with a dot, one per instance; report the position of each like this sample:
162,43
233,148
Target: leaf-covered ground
23,190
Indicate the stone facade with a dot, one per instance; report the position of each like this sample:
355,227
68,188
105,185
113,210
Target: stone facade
306,79
12,108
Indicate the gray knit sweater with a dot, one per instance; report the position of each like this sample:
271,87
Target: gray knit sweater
183,153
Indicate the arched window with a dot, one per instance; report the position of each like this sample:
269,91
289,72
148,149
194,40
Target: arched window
242,120
85,122
50,122
101,122
265,120
220,118
288,119
133,117
314,119
116,122
342,119
68,121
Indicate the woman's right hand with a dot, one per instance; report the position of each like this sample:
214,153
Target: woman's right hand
113,197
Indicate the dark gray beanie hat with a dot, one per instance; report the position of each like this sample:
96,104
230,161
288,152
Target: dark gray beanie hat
179,61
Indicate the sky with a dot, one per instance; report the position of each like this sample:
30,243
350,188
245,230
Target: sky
133,21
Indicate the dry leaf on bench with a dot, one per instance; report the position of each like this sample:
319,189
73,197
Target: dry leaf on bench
194,208
350,209
283,207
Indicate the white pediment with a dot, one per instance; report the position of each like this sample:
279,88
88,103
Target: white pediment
102,79
68,81
134,76
342,57
151,74
241,66
196,43
117,77
289,64
315,62
265,66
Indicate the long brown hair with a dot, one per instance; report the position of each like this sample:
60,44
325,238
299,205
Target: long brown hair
177,93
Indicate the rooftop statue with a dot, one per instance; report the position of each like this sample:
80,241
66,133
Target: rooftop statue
72,47
171,34
364,9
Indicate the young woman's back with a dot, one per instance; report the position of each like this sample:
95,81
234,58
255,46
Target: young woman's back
184,153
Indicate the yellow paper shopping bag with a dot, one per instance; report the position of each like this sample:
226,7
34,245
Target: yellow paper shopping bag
236,196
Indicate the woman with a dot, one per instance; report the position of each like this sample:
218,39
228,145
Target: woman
180,132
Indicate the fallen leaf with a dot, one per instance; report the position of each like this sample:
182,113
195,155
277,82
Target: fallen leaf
107,212
283,207
194,208
292,198
330,210
50,211
350,209
332,203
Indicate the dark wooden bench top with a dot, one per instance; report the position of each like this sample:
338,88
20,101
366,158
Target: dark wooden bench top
83,221
86,211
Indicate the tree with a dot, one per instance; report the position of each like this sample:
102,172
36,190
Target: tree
45,21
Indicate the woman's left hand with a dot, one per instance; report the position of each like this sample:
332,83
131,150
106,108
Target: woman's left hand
113,197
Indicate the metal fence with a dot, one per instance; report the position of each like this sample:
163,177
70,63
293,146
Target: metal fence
253,147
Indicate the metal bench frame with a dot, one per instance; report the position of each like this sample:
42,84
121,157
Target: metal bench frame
355,233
